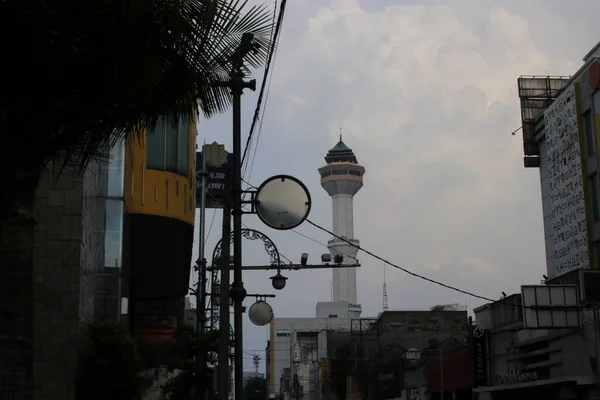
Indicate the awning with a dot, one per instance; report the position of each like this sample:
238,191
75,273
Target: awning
577,379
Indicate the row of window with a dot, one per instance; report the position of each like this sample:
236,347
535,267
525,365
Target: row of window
340,172
168,147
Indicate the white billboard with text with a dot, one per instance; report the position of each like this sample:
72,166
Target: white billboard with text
566,182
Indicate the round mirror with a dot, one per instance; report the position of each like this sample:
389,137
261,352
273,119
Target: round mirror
260,313
282,202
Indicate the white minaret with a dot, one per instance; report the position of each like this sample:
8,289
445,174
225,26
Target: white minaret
342,179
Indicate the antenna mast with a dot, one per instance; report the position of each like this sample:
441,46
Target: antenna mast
385,299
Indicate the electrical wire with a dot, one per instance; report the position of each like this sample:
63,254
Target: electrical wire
211,225
270,64
429,279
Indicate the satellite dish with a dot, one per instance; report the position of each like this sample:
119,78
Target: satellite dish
260,313
282,202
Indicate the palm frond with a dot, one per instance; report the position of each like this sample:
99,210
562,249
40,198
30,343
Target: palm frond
83,74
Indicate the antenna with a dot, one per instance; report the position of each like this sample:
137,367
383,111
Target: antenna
331,289
385,299
340,133
256,362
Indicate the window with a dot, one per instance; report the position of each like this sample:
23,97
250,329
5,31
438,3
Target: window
325,174
340,172
590,137
356,173
114,233
168,147
593,184
116,170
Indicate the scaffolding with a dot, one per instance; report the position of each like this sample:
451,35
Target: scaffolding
536,94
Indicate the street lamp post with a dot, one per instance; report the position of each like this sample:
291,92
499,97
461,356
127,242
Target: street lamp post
237,84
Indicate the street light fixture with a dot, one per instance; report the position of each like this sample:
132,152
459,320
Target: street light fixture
304,259
278,281
325,258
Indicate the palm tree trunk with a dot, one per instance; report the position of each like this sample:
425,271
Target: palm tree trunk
16,304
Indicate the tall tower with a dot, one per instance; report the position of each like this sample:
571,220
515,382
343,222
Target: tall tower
342,179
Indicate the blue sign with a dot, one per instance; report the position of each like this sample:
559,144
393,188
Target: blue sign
215,182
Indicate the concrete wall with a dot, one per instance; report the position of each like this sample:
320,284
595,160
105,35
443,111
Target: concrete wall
69,248
285,330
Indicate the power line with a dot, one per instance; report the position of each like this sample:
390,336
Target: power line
426,278
270,63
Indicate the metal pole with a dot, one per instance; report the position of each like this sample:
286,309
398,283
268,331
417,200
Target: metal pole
238,285
597,334
441,374
223,370
201,288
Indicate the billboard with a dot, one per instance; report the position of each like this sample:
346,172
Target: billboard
155,328
479,338
565,181
550,306
215,182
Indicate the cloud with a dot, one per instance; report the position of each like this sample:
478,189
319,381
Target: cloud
426,97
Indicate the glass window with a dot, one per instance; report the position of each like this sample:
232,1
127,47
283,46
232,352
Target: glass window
168,147
116,170
184,146
172,134
590,137
356,173
340,172
113,240
325,174
155,149
593,184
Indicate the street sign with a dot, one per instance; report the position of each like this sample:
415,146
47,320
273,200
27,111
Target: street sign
215,181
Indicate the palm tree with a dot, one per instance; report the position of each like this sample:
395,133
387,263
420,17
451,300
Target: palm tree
77,76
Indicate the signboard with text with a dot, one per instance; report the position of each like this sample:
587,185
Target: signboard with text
480,356
566,201
215,182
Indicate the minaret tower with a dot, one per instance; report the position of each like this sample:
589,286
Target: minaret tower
342,178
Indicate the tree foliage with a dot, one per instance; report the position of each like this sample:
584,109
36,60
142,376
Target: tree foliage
255,388
109,366
183,357
84,73
342,365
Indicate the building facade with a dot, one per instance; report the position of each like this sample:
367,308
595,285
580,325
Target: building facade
96,228
543,342
69,254
158,227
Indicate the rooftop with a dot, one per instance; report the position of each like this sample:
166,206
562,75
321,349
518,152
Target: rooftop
340,153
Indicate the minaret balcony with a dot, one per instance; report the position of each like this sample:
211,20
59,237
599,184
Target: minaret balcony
345,241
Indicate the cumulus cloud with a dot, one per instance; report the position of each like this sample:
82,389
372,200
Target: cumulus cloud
426,96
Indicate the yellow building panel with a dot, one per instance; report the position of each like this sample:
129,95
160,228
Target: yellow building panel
155,192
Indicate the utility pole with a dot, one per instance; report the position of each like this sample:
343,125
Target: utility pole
223,368
237,85
200,290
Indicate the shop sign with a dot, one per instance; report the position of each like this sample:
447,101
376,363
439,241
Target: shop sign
505,378
480,357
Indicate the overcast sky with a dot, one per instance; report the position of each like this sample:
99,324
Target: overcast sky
425,93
